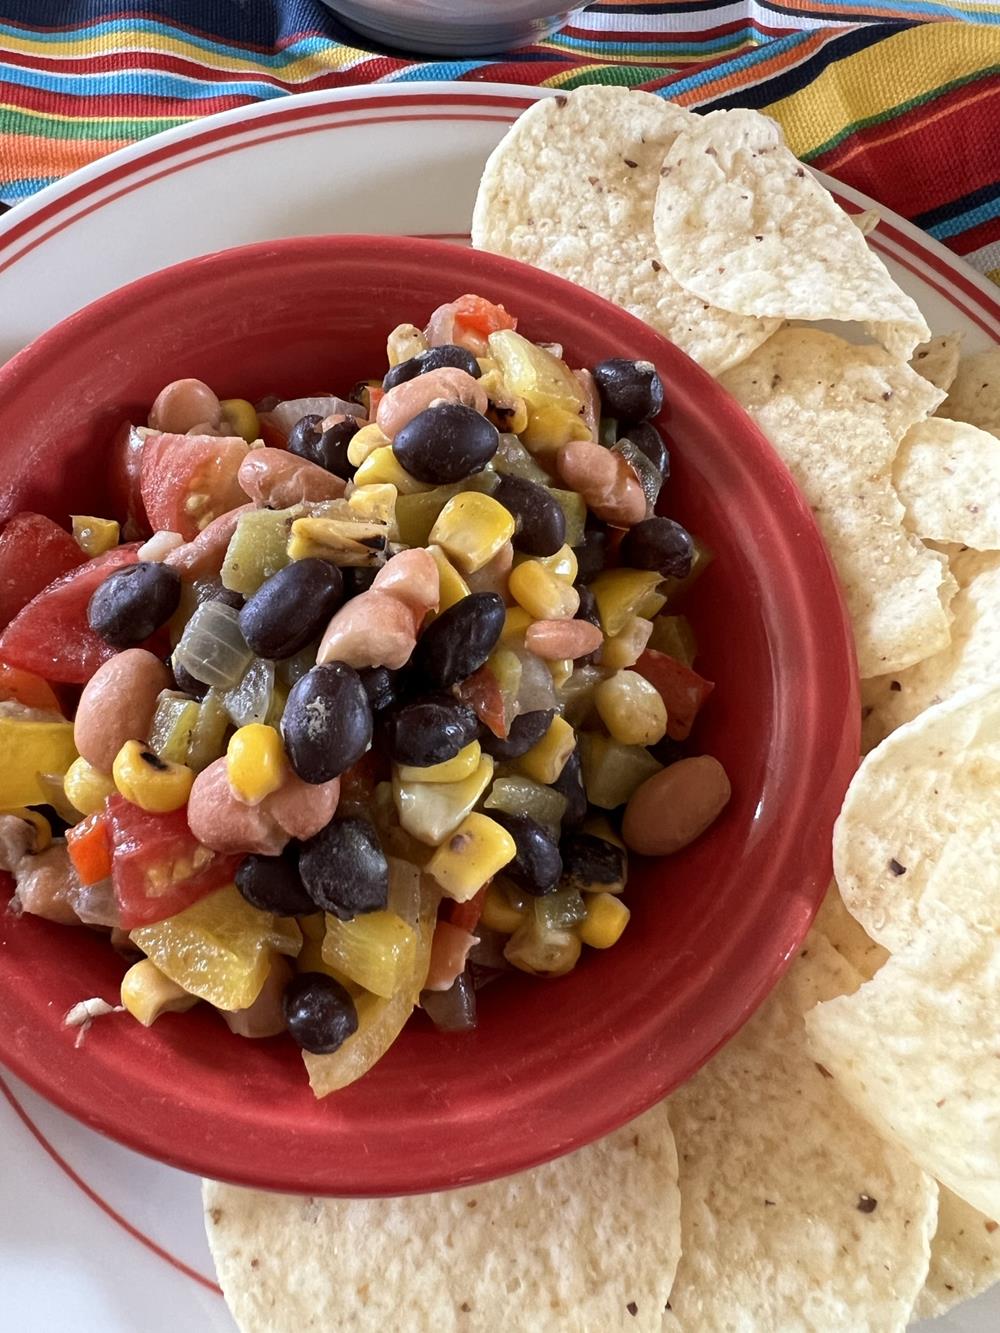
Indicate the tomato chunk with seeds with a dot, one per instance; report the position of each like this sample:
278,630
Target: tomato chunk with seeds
682,690
33,552
482,692
481,316
189,480
158,866
51,636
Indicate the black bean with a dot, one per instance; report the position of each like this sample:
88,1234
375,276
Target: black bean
667,751
526,730
214,590
588,606
185,682
540,518
459,640
132,603
659,544
326,448
592,864
430,730
320,1012
272,884
344,870
569,783
382,687
592,553
647,438
291,608
446,443
357,578
630,390
435,358
537,866
327,722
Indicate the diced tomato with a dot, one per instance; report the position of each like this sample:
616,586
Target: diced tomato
188,480
466,915
682,690
481,316
449,950
158,866
272,434
51,636
124,480
33,552
89,848
482,692
26,688
375,396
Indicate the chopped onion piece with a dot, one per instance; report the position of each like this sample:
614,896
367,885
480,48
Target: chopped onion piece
212,647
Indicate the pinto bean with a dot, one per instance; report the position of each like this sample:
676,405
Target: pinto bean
556,640
373,629
447,385
117,705
279,479
675,806
220,820
604,479
413,578
184,404
203,556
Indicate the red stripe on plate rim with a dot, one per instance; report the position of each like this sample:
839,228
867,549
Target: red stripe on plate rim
101,1203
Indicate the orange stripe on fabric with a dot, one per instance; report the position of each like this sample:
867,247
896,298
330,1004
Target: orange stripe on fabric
32,155
757,72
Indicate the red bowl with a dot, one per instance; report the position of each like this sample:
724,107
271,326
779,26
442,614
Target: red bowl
553,1064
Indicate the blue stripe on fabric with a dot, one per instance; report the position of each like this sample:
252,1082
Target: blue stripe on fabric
138,82
14,191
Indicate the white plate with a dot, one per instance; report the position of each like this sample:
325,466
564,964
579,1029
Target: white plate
92,1237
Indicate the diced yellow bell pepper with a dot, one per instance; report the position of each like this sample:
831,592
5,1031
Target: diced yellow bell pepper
376,950
552,394
471,528
383,467
547,758
94,535
620,593
461,766
470,858
28,749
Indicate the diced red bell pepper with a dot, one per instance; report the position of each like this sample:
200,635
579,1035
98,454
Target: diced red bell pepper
89,848
26,688
482,316
33,552
51,636
482,692
466,915
158,867
682,690
189,480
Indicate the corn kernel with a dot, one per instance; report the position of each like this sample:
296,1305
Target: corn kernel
432,811
255,762
563,564
152,783
471,528
560,671
631,708
404,342
500,910
544,595
374,503
601,827
516,621
459,767
382,466
43,829
607,916
626,647
547,758
619,594
147,993
365,442
86,787
473,854
94,535
242,418
342,542
453,586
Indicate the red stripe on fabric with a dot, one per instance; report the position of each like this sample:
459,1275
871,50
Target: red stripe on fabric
84,31
135,62
127,106
95,1198
965,242
666,36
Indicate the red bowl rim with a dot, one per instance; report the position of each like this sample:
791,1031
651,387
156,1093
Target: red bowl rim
823,617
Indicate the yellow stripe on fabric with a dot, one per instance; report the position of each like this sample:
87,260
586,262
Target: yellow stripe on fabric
874,82
135,41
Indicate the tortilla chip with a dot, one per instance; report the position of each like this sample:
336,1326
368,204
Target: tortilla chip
974,395
570,189
915,1051
580,1242
972,657
947,475
794,1213
933,782
937,359
740,222
965,1256
836,412
835,923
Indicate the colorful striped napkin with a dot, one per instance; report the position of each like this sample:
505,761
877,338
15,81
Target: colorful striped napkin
900,99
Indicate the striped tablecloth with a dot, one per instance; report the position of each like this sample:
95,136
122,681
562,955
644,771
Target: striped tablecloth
900,98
